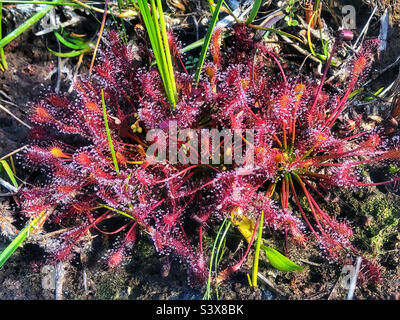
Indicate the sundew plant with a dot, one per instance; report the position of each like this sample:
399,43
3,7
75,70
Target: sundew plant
91,150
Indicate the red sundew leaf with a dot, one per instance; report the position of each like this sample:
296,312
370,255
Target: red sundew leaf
92,106
83,159
363,61
240,91
58,153
63,253
58,101
41,114
116,258
215,47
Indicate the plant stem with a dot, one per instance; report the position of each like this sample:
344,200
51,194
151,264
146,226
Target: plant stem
207,295
207,41
257,252
217,256
99,36
108,133
3,64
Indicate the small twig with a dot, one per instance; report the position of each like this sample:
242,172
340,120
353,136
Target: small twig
75,75
14,116
37,238
301,50
8,186
12,104
271,285
383,71
87,6
103,22
59,281
364,30
333,291
13,152
5,95
311,263
7,194
53,25
318,295
383,32
196,25
84,275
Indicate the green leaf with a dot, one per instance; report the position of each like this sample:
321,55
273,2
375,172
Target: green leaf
74,39
393,169
369,98
69,44
254,11
279,261
3,62
357,91
9,173
67,54
7,253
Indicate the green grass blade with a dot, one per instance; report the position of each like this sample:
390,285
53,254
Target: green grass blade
166,46
70,54
156,30
124,35
207,295
79,41
217,255
200,42
151,31
257,252
118,211
162,53
7,252
207,40
9,173
280,32
193,45
254,11
25,26
70,44
53,3
114,157
2,56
